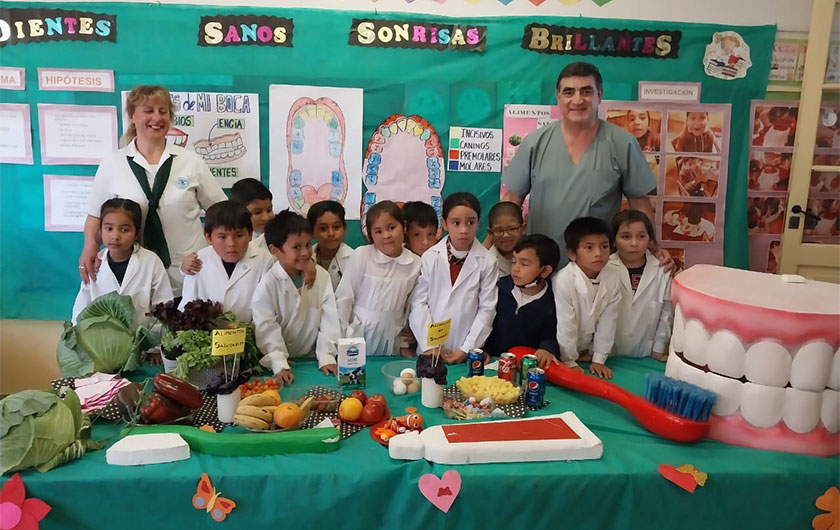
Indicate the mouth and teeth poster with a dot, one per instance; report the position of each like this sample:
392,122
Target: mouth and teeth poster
223,128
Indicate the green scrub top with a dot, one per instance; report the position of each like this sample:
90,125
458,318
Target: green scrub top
561,191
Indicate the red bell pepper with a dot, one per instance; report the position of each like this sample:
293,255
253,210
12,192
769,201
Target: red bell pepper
161,409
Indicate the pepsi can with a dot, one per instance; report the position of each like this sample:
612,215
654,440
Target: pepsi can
535,391
475,362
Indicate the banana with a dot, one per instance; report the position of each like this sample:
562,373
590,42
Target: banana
258,400
305,406
250,422
255,412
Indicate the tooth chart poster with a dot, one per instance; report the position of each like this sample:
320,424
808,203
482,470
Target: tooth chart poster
315,147
221,127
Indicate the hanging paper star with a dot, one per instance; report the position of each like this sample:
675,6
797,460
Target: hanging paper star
505,2
16,511
601,2
536,2
569,2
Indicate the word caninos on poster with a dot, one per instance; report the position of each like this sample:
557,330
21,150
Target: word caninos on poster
22,26
245,30
545,38
419,35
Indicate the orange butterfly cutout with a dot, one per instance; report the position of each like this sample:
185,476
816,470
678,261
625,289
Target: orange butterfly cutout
206,498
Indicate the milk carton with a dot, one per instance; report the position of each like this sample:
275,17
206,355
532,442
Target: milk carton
351,362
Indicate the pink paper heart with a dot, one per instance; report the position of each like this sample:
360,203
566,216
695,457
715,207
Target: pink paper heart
683,480
441,491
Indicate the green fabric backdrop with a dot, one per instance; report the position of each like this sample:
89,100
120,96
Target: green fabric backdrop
158,44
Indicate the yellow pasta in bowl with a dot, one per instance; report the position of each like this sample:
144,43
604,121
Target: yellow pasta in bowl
501,391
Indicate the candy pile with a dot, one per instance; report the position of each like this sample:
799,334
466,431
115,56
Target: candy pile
472,408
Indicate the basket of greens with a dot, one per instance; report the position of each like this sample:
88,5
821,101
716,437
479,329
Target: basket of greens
187,339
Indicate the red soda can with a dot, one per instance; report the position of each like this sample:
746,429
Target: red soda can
508,367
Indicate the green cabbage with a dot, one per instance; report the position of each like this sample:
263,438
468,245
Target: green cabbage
103,339
38,429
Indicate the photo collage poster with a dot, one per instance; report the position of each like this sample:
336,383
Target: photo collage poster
773,131
687,148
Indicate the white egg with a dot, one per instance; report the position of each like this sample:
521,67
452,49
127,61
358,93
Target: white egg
399,387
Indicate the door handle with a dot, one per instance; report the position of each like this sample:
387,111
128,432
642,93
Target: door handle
798,210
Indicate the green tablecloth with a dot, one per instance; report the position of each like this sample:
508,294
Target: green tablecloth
359,486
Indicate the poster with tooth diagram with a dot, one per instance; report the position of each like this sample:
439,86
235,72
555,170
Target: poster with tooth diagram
223,128
315,142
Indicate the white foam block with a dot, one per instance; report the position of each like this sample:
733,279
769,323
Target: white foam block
406,446
141,449
518,444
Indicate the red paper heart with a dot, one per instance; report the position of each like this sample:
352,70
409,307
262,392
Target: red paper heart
683,480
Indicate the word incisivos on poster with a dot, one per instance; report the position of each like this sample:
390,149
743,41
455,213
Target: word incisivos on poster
222,128
686,146
23,26
546,38
475,149
417,34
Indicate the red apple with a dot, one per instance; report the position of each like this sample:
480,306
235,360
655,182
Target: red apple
372,413
360,395
377,398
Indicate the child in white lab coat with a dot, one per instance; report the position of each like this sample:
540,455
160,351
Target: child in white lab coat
127,268
457,281
329,228
373,296
231,267
505,225
645,315
292,320
253,195
587,297
421,226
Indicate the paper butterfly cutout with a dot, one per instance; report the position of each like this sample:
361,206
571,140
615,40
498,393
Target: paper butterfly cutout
207,498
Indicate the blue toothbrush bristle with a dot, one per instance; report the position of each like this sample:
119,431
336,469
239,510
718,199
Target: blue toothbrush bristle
678,397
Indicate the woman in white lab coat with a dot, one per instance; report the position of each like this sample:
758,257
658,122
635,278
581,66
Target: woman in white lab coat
374,292
646,312
457,281
128,268
173,180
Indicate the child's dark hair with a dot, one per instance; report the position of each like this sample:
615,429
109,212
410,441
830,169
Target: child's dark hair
128,206
505,208
284,224
585,226
627,217
248,190
547,250
421,213
227,214
461,198
389,207
321,207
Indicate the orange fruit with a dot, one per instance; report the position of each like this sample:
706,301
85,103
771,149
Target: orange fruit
350,409
275,395
287,415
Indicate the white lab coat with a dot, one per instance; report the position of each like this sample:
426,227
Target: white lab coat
470,303
644,317
234,293
374,297
587,313
502,262
292,322
190,188
338,265
145,281
258,241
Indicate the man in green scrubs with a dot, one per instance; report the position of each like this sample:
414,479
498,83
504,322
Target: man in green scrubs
581,165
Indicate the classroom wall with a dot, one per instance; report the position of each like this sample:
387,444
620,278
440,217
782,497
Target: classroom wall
27,348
